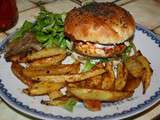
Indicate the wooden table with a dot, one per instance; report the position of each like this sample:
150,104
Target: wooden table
145,12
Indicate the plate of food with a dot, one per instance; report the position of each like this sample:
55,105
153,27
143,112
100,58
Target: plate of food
93,62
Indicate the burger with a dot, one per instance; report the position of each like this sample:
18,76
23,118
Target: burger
99,29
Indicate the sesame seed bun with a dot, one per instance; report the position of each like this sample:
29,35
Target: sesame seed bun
103,23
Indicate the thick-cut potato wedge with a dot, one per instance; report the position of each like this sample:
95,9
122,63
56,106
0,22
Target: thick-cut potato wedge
101,95
42,88
70,78
49,67
108,80
121,80
92,105
17,69
134,67
55,94
45,62
77,84
45,53
132,83
53,70
146,78
93,82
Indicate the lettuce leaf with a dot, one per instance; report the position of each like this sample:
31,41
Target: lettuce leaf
49,30
70,104
26,27
90,63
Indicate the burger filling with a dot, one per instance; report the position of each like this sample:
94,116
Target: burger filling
91,49
114,53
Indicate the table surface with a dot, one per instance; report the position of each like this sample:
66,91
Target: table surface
145,12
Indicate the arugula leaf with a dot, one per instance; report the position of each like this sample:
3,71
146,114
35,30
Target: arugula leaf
104,59
88,65
69,44
49,43
41,37
49,30
63,44
69,105
25,28
63,16
125,55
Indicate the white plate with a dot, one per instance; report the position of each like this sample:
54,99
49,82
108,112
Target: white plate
145,40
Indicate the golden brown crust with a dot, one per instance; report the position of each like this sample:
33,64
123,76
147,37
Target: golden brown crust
104,23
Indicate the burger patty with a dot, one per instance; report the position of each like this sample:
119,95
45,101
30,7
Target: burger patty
91,49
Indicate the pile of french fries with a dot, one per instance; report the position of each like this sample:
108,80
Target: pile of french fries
44,74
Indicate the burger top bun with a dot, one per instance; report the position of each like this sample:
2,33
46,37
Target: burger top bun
103,23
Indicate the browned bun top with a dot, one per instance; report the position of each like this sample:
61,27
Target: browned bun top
103,23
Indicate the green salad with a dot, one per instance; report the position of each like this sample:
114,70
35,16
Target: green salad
48,29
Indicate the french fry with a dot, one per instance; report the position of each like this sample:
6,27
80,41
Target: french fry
53,70
108,78
77,84
92,105
132,83
121,80
93,82
70,78
97,94
134,68
146,78
17,70
45,62
51,67
42,88
55,94
44,53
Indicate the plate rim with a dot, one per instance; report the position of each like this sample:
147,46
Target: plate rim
18,105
